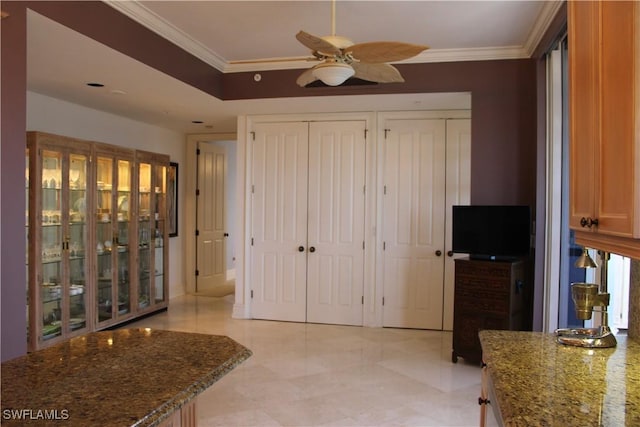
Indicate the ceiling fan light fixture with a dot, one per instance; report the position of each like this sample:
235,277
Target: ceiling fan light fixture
333,73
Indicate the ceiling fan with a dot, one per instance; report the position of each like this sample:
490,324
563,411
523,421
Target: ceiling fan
342,59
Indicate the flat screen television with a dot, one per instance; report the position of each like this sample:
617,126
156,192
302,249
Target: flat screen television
492,232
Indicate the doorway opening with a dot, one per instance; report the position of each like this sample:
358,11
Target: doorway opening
210,214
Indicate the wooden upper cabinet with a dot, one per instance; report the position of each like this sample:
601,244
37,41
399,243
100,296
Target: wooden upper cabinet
604,98
584,57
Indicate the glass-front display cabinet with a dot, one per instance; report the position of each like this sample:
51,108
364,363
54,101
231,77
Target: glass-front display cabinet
58,236
113,185
96,231
152,230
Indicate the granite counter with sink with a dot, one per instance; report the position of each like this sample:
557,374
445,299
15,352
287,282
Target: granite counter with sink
531,380
126,377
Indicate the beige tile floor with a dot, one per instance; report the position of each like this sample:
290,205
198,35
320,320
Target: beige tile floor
326,375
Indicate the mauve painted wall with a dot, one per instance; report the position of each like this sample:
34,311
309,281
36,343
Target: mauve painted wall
503,119
503,125
13,107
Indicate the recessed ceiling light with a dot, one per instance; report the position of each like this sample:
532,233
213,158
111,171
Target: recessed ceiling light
197,122
95,84
118,92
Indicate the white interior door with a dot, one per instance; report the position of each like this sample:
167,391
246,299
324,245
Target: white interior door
414,223
279,221
458,192
211,223
335,256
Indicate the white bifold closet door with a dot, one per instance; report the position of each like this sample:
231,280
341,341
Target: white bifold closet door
307,255
335,275
426,170
414,223
279,221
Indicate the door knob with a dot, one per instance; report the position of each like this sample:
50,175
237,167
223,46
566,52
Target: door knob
450,253
312,249
226,234
438,252
300,248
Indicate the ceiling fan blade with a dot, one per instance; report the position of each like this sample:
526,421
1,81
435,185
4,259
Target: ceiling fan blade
317,44
377,52
379,73
306,78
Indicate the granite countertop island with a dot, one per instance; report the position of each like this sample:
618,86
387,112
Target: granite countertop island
534,381
126,377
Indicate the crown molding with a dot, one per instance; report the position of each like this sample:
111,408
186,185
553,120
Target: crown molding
145,17
545,18
139,13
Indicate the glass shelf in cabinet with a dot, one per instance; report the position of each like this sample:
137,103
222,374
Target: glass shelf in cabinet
49,300
51,330
123,308
51,224
76,290
51,293
105,282
77,323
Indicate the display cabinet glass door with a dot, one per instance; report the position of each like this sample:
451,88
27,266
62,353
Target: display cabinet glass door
63,231
113,188
151,233
160,231
145,215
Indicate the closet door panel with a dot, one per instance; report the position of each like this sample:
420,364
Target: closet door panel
458,192
279,221
335,275
414,223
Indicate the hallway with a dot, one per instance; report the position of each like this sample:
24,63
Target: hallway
326,375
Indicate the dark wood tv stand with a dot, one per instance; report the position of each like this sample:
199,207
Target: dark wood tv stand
488,295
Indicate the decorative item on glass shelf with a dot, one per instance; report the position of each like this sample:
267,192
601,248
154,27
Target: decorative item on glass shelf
51,217
74,178
76,250
51,253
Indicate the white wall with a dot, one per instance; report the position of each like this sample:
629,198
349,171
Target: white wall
59,117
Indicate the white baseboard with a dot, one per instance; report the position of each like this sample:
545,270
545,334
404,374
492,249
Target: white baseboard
239,312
